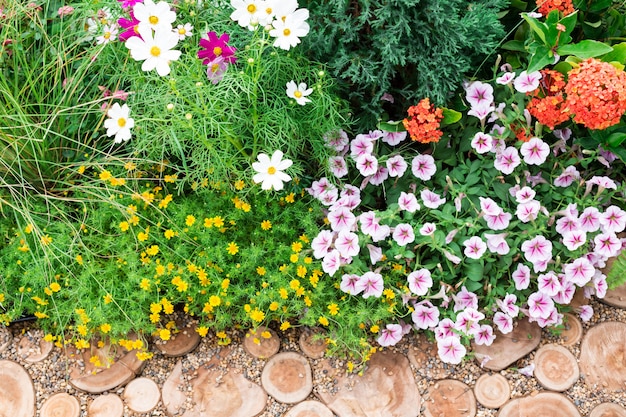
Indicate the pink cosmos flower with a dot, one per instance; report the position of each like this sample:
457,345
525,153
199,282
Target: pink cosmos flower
580,271
567,177
390,335
607,244
521,277
403,234
338,166
347,243
496,243
423,167
425,316
393,138
508,306
408,202
537,249
525,195
589,220
465,299
130,26
451,350
482,142
431,200
331,262
129,3
213,47
348,284
535,151
216,69
321,243
474,247
485,335
540,305
525,83
337,140
420,281
479,94
504,322
371,283
360,146
488,206
367,164
498,222
376,253
574,239
380,176
585,312
549,284
528,211
507,160
613,220
428,229
397,166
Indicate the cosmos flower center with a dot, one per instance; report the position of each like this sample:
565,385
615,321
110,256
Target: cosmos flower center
121,122
251,8
153,20
271,170
155,51
217,51
297,94
286,32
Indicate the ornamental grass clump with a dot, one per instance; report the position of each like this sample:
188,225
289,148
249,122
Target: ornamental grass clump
477,230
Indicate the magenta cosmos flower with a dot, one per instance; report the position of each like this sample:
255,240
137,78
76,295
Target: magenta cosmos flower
214,47
129,26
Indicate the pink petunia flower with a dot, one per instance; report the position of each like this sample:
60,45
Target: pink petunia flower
535,151
474,247
521,277
338,166
479,94
403,234
393,138
566,294
213,47
602,182
376,253
445,328
321,243
567,177
397,166
420,281
485,335
496,243
507,160
600,284
607,244
525,83
390,335
341,219
467,321
488,206
423,167
503,321
574,239
408,202
380,176
506,78
537,249
451,350
524,194
347,243
508,306
465,299
528,211
425,316
371,283
360,146
549,284
498,222
482,142
580,271
320,186
428,229
585,312
567,224
589,220
613,220
331,262
481,112
431,200
367,164
337,140
540,305
348,284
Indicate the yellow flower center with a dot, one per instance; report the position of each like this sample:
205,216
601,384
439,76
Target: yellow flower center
297,94
136,29
153,20
271,170
155,51
268,10
107,35
251,8
121,122
182,31
217,51
286,32
214,67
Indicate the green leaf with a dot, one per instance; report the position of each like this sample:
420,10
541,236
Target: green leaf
392,126
585,49
474,271
569,22
620,152
538,27
617,55
599,5
450,116
514,46
593,24
616,139
540,59
617,271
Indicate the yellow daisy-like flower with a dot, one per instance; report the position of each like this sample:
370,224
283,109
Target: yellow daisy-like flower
55,287
293,258
142,236
323,321
145,284
82,344
108,299
79,259
257,315
166,201
169,233
301,271
153,250
389,294
232,248
296,247
165,334
218,221
283,293
294,284
374,328
190,220
105,328
170,178
274,306
285,325
105,175
333,309
239,185
260,270
28,229
215,301
40,315
124,226
266,225
130,166
290,198
202,331
46,240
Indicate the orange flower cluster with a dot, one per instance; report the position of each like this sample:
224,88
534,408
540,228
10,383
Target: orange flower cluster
564,6
547,101
423,122
596,94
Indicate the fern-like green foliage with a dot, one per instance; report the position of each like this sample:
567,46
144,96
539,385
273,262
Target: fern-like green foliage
616,275
407,48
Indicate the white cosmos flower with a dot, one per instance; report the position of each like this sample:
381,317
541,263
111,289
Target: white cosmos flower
269,170
119,123
289,31
109,34
154,49
247,12
156,16
298,92
183,31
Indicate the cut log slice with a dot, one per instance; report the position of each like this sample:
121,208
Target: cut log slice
225,395
142,395
608,410
5,338
615,297
109,405
492,390
181,343
33,349
309,409
579,299
17,392
450,398
173,391
287,377
387,388
603,356
61,404
257,344
544,404
510,347
556,368
573,330
312,343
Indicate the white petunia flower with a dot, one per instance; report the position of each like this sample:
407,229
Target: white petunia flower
298,92
119,123
154,49
289,31
269,171
156,16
